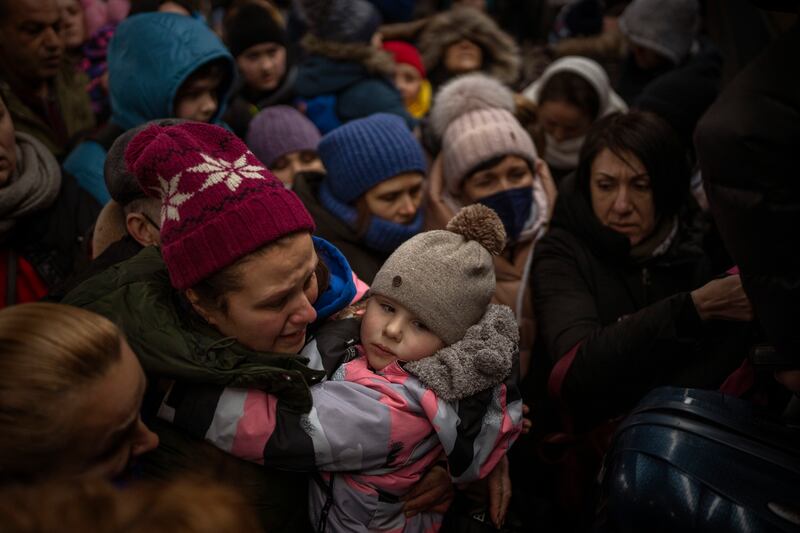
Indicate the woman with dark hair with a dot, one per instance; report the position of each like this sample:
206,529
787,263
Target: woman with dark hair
571,94
623,290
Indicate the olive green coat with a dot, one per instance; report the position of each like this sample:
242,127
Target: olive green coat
173,343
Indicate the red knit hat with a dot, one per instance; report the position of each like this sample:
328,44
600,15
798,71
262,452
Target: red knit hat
405,53
219,203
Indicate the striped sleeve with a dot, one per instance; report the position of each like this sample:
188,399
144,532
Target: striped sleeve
349,428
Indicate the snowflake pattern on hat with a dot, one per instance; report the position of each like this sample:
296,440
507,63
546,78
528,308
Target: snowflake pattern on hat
227,172
219,203
171,198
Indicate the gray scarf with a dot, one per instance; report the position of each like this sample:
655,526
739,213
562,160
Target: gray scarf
481,360
33,186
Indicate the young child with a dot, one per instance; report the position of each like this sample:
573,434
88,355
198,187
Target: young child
160,65
431,374
410,78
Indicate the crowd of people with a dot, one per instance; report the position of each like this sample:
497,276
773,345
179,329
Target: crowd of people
379,265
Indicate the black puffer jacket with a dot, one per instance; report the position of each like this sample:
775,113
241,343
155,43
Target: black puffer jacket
749,151
636,323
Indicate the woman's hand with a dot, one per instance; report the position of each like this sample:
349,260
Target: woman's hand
549,184
723,299
434,493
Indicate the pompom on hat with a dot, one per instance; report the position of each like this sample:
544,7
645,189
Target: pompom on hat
446,277
219,203
469,92
121,184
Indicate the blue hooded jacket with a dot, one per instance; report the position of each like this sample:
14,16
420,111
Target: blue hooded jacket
149,58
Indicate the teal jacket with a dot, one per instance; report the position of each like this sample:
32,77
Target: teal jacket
149,58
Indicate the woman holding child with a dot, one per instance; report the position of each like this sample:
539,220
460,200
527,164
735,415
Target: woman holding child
225,302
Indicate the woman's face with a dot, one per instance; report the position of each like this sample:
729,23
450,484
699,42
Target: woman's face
287,166
73,30
396,199
512,172
273,307
8,152
463,56
408,81
563,121
108,422
622,196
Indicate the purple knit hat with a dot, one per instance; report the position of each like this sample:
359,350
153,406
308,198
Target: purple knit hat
219,203
280,130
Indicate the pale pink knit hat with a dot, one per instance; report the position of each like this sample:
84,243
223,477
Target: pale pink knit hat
473,115
479,136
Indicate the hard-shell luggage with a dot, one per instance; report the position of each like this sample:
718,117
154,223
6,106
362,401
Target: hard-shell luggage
693,460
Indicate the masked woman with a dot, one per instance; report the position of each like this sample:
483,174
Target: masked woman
487,157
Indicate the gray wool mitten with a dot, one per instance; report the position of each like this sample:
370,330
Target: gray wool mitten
482,359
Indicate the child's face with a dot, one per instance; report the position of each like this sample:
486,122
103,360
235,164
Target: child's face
408,81
389,331
263,66
198,99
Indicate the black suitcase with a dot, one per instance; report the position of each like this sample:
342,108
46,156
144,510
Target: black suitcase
693,460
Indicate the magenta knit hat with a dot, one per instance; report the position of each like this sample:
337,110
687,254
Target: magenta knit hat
219,203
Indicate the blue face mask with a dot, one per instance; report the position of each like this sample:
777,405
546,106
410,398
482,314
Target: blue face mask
514,208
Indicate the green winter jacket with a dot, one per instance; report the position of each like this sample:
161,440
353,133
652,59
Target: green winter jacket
172,343
73,102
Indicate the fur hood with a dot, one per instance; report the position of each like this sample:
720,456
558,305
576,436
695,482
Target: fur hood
377,62
502,59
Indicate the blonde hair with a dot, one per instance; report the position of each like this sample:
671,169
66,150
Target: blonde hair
181,506
48,353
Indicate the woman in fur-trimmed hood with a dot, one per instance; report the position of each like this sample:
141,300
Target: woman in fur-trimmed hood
463,40
345,76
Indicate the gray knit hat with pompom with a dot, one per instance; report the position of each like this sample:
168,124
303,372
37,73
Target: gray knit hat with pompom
446,277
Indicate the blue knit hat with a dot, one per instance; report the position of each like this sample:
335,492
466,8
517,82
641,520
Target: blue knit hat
366,152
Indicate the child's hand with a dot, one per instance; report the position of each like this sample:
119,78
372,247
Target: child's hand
527,424
433,493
